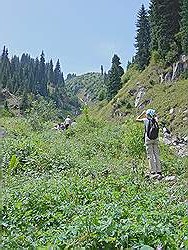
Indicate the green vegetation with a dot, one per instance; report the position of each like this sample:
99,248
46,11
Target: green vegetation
113,81
143,39
88,87
184,26
161,96
85,188
26,79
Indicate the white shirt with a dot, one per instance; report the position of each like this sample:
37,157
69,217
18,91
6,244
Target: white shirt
68,121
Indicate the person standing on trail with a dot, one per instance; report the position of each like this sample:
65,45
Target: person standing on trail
68,122
151,138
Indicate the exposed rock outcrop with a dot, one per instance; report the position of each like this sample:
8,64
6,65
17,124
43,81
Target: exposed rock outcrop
177,69
140,94
179,144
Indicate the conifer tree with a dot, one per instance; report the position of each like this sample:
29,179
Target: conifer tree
5,68
165,24
142,39
114,78
50,72
184,26
102,70
154,24
42,76
57,74
24,101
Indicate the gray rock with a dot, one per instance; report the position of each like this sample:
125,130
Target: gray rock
161,78
178,68
139,96
186,139
170,178
168,77
2,133
171,111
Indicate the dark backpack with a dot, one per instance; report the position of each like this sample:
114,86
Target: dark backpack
152,129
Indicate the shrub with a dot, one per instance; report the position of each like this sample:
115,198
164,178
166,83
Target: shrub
134,139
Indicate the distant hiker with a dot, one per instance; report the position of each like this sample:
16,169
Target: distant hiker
59,126
151,140
68,122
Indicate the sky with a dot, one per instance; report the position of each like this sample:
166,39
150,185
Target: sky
83,34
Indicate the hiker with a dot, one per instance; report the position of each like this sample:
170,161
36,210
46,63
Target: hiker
59,126
151,141
68,122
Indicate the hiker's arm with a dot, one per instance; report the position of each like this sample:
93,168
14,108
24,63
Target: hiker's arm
141,117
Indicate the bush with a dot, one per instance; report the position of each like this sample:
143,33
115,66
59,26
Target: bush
77,189
134,139
40,112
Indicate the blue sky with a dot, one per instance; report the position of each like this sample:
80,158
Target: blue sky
83,34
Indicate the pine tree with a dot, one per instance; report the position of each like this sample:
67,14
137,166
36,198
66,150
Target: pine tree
142,39
57,74
24,101
154,24
42,76
184,26
102,70
50,72
168,24
114,78
5,70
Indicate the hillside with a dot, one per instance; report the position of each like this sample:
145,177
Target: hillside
87,87
146,89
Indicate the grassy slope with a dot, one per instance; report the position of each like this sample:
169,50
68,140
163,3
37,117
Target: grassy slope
57,193
164,97
90,83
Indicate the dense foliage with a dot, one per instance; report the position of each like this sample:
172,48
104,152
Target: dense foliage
28,77
164,31
85,188
88,87
143,39
184,26
113,80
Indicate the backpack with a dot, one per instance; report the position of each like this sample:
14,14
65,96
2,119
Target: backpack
153,129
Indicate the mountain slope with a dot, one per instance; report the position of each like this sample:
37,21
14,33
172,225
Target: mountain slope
87,86
143,90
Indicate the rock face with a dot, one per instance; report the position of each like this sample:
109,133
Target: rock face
177,69
180,67
140,94
168,77
179,144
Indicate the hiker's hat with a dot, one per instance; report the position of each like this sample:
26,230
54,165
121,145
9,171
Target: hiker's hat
150,112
